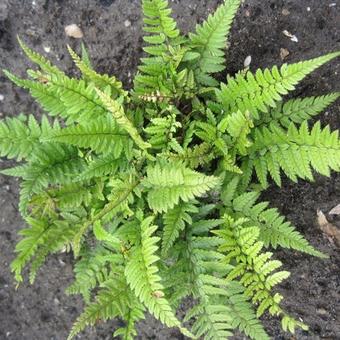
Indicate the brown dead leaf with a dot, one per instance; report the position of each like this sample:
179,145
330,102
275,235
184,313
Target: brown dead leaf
284,53
328,228
73,31
335,210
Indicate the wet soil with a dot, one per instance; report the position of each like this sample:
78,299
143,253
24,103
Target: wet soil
112,31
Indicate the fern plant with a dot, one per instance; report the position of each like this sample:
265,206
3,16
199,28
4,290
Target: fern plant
156,190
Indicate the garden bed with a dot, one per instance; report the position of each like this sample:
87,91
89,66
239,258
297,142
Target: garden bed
112,32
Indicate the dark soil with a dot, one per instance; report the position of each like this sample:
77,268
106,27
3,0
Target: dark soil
312,292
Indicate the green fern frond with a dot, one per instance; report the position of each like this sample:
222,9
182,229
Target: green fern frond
257,93
111,301
194,157
38,59
101,166
274,229
238,125
298,110
56,238
17,140
119,115
229,308
140,273
99,80
80,99
50,164
161,131
174,222
169,183
117,202
222,305
92,270
254,268
39,239
210,41
158,20
33,237
101,135
153,188
295,151
158,23
72,99
46,96
134,314
162,33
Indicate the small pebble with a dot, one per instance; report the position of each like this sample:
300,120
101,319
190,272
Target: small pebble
127,23
47,49
247,13
291,36
285,12
73,31
321,311
62,263
308,9
2,97
333,4
247,61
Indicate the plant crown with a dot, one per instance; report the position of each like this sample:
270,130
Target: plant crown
156,190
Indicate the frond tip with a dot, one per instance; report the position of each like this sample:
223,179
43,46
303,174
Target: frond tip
296,152
210,40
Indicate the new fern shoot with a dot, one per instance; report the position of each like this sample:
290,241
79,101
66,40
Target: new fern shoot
156,189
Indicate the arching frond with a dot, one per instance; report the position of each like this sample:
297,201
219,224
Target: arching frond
99,80
275,230
258,92
141,274
210,40
298,110
296,152
101,135
44,64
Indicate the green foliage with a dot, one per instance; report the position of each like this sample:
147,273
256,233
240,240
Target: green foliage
209,42
18,140
141,274
153,189
100,135
174,222
99,80
298,110
259,92
274,229
295,151
169,183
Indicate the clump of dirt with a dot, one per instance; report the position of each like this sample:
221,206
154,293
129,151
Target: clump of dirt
112,32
